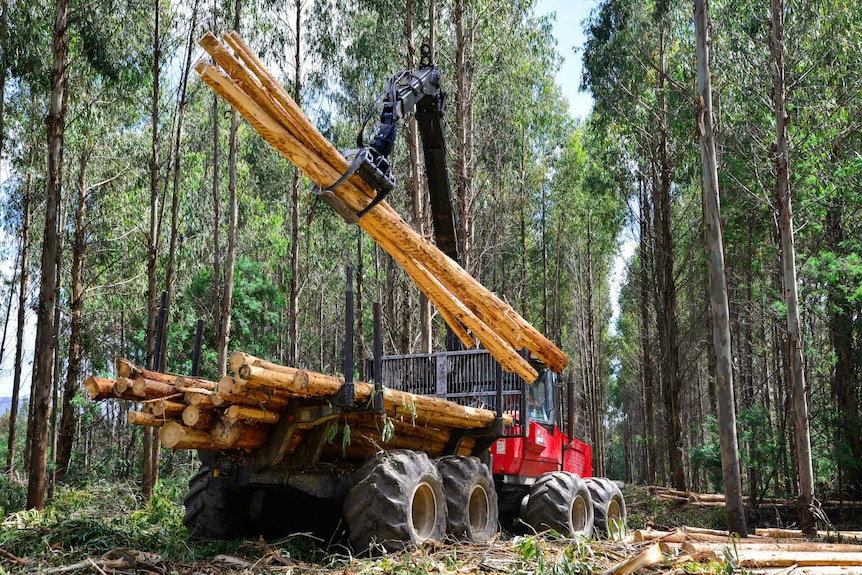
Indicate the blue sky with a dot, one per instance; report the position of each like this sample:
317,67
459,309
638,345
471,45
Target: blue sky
568,30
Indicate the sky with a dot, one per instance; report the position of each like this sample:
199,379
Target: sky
569,32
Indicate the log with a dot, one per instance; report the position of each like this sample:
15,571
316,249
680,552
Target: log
174,435
123,387
754,558
680,536
744,545
194,382
166,408
146,419
227,435
266,378
126,368
649,556
369,421
151,389
797,534
294,136
202,397
236,413
99,388
255,397
198,417
398,404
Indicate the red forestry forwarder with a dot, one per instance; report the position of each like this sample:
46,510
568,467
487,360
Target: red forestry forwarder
528,473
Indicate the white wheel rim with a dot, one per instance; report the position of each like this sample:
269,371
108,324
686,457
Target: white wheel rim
579,515
478,509
423,511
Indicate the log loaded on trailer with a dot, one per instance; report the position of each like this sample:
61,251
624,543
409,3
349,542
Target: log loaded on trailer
454,443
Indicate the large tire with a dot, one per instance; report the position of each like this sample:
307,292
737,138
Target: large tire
471,499
212,510
559,501
396,500
609,507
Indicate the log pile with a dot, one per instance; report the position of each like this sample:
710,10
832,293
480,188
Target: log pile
717,499
466,305
766,552
240,411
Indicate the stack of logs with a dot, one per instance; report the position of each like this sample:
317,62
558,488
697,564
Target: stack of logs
239,412
462,301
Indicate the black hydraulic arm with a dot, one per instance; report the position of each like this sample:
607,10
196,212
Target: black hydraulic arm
421,92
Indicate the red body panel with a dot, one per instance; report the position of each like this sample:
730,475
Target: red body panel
545,449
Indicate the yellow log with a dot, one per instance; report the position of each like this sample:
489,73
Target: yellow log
198,417
146,419
245,413
150,389
174,435
99,388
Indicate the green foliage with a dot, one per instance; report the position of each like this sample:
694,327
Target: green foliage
13,495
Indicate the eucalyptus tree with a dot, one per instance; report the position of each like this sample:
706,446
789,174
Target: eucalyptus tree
44,358
718,285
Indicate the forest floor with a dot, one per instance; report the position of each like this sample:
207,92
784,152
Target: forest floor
103,529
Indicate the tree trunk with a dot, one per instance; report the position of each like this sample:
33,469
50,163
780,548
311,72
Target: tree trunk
170,268
44,354
646,359
718,284
233,216
151,447
417,187
294,287
666,296
4,65
73,369
801,433
22,310
463,114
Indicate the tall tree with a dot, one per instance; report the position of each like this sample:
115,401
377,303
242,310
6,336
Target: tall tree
718,284
798,392
23,279
152,447
295,287
43,365
76,305
232,231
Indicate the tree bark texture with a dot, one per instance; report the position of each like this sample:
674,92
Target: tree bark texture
76,305
150,463
232,231
719,305
23,279
44,355
798,392
296,182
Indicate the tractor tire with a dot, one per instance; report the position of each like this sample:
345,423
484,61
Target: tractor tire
559,501
471,500
213,511
609,507
396,500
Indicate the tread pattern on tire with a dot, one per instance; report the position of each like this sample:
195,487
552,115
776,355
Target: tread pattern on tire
377,508
549,505
460,476
603,491
211,509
